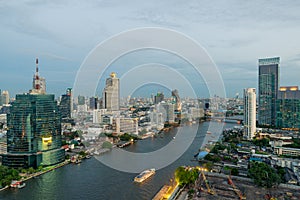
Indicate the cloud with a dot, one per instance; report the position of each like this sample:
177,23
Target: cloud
234,33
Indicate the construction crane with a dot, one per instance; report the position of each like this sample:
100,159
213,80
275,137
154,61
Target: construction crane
209,190
237,191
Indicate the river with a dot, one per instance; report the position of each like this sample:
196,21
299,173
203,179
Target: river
94,180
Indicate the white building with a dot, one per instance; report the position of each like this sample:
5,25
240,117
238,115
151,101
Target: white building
157,120
126,125
249,112
168,111
5,97
97,115
111,93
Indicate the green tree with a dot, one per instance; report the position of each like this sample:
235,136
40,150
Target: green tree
263,174
31,170
107,145
209,165
234,171
186,176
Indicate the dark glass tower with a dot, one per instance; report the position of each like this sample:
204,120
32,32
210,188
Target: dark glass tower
34,131
268,79
65,106
288,107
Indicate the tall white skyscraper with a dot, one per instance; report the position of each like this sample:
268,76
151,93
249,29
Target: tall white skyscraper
249,112
111,93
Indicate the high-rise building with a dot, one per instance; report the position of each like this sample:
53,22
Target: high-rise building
111,93
159,97
93,103
81,100
168,111
268,79
249,113
5,97
65,105
288,107
34,130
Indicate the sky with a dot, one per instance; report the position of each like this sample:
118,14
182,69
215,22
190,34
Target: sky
62,33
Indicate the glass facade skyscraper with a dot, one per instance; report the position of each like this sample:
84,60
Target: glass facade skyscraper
34,131
288,107
65,105
268,80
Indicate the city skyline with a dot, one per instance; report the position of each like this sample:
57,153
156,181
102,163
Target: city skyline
48,34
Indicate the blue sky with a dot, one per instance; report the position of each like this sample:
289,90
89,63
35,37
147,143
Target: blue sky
62,33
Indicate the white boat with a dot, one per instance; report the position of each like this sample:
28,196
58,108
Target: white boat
17,184
21,185
144,175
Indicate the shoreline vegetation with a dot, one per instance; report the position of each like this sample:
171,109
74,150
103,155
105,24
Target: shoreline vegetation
31,173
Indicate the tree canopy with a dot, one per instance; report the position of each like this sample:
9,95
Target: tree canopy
264,175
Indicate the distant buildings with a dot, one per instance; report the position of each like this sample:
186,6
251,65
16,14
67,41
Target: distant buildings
249,113
98,115
66,104
168,111
111,93
93,103
34,129
268,77
126,125
288,107
5,97
159,97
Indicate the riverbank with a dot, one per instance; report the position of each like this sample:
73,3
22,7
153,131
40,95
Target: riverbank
44,170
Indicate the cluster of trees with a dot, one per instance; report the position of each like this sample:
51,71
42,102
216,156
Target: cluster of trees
186,176
296,143
212,157
232,170
261,143
218,147
264,175
7,175
128,137
107,145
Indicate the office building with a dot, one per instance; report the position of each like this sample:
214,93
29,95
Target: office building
98,115
249,113
93,103
268,80
126,125
5,97
159,97
66,104
168,111
81,100
34,130
288,107
111,93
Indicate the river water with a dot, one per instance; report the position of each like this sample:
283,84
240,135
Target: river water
94,180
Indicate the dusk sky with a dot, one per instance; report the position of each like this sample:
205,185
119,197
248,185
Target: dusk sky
62,33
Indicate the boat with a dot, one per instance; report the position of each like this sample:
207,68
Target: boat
21,185
144,175
17,184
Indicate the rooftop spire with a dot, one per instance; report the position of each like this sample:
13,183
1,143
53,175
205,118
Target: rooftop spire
37,65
